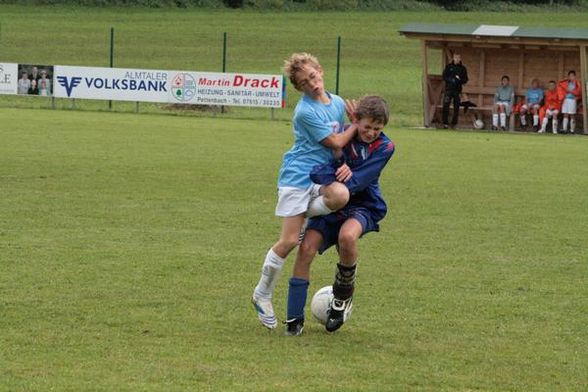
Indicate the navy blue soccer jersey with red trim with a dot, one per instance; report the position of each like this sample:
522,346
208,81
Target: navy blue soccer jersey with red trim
366,161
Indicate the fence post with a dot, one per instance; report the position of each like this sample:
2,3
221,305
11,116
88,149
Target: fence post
224,60
338,64
111,57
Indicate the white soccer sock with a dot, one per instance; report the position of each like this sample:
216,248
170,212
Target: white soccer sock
554,124
572,125
523,120
270,272
317,207
503,120
544,124
495,120
535,120
565,124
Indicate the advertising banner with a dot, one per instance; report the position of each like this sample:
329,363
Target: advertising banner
204,88
237,89
8,78
111,84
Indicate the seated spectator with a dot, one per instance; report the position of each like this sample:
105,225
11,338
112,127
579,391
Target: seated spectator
503,103
550,108
532,104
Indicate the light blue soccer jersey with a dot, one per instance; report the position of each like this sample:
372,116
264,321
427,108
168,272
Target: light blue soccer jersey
571,87
313,121
534,96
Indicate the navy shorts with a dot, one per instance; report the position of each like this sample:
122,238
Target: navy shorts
330,225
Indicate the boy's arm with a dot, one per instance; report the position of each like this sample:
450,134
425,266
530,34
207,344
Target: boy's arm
370,169
362,175
446,76
325,132
465,76
526,97
337,141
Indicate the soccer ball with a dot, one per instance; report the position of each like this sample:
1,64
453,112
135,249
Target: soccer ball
478,124
321,303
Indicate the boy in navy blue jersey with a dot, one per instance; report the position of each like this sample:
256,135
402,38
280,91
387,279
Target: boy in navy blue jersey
364,157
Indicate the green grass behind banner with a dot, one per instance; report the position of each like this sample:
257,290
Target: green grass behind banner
130,244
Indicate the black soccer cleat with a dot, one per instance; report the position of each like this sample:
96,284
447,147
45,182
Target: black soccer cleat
294,327
337,313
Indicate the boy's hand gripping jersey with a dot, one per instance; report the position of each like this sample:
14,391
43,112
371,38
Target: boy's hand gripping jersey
366,162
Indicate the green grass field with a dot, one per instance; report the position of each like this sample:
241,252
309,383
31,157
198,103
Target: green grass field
130,244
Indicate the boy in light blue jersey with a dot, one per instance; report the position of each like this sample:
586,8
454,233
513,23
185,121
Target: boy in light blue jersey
533,102
319,136
570,92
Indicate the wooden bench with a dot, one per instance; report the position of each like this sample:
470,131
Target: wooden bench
484,98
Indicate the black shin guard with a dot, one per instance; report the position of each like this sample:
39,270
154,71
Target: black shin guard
344,281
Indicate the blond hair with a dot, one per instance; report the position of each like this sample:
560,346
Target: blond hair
296,62
373,107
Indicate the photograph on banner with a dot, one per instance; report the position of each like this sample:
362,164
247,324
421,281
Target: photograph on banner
35,79
8,78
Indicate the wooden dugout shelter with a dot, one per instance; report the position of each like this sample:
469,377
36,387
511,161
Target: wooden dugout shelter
490,51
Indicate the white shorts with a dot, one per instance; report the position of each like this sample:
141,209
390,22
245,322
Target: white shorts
535,106
505,105
294,201
569,106
551,112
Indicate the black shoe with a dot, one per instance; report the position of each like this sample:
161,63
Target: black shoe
294,327
337,314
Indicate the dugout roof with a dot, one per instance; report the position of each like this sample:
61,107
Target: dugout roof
555,35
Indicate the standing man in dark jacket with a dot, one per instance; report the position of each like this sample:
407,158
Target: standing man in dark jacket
455,75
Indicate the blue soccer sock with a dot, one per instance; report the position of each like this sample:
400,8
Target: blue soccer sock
297,292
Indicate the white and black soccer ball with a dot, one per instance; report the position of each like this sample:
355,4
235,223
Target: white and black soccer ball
321,303
478,124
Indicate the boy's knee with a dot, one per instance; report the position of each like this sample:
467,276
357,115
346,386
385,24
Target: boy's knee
286,244
307,251
347,240
336,196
